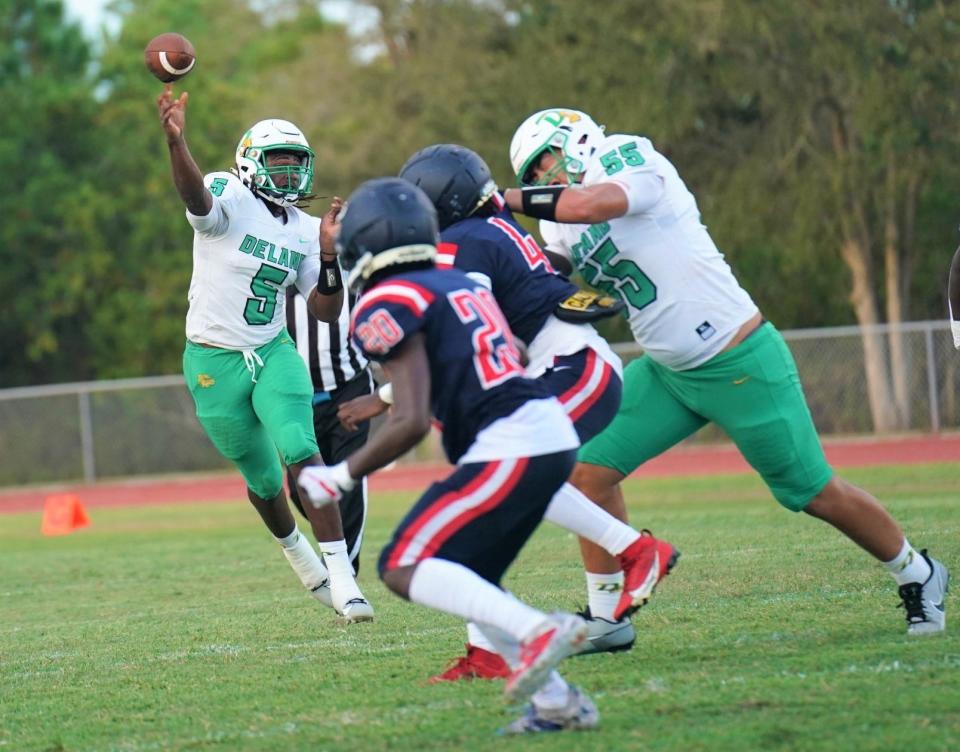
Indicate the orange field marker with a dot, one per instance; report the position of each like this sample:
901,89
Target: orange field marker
63,514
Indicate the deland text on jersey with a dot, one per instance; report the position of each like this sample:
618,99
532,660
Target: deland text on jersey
268,252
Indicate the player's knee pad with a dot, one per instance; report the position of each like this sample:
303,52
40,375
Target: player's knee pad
229,436
295,442
265,481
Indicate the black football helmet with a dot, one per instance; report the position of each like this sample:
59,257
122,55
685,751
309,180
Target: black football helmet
455,178
387,223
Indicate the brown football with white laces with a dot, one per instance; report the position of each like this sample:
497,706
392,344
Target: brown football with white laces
169,56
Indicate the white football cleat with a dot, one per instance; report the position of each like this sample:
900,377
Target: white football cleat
357,610
322,593
923,601
349,602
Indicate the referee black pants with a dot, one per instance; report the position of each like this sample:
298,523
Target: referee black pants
336,444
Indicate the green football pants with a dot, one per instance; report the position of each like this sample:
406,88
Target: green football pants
254,404
752,392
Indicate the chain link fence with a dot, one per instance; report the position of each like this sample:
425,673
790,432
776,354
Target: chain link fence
109,429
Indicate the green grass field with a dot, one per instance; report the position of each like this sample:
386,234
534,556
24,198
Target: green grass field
182,628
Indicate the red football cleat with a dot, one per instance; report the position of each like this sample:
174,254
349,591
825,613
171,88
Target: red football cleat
560,636
476,664
645,562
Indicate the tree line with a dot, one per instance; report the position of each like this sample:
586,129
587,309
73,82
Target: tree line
820,139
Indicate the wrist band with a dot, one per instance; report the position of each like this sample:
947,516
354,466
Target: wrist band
385,393
541,201
330,280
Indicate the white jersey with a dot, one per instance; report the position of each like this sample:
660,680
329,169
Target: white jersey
536,428
684,303
557,338
244,258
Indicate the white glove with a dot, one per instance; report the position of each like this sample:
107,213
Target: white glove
954,326
324,485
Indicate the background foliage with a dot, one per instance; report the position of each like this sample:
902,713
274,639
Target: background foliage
819,138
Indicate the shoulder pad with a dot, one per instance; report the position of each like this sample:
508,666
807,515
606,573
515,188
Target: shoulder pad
551,232
391,311
225,185
620,154
306,222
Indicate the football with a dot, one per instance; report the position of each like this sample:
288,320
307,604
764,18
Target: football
169,56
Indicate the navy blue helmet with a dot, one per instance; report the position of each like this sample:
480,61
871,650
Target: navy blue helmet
387,226
456,180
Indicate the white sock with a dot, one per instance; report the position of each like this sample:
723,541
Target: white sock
908,565
603,593
290,540
478,639
553,694
303,559
572,510
336,559
454,589
501,643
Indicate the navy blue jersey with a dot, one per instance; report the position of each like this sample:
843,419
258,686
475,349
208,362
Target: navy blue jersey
475,371
523,282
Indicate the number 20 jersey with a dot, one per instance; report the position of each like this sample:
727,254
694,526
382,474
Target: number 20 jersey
244,258
475,374
684,303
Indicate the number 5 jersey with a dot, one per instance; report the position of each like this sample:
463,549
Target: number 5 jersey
683,302
243,260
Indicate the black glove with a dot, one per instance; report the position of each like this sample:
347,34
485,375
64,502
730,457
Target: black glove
584,307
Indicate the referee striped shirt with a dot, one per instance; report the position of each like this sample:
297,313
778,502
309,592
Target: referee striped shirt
325,348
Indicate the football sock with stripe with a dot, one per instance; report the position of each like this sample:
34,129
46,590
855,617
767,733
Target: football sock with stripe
908,565
603,593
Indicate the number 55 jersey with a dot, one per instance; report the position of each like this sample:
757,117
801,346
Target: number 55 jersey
479,392
244,258
683,301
